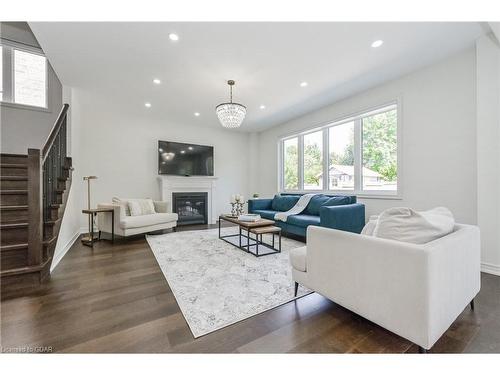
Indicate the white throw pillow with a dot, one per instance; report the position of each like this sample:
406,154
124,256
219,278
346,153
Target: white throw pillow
370,226
140,207
407,225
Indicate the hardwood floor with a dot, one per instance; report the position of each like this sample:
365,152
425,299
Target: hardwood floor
114,298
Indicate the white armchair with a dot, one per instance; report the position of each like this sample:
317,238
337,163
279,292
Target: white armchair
126,225
415,291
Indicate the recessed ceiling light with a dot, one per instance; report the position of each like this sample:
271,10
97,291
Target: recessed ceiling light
377,43
147,105
156,81
182,151
303,84
173,37
190,147
262,106
197,114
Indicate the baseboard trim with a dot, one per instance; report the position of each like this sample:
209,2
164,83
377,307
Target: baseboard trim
490,268
66,247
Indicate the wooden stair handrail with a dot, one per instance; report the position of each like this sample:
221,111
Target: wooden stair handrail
53,133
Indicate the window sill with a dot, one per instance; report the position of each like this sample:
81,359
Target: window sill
25,106
359,195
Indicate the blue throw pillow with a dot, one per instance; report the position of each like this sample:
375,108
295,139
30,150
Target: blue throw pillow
315,203
284,202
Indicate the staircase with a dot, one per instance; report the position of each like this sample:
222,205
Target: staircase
34,190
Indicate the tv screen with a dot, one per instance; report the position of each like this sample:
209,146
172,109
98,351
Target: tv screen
184,159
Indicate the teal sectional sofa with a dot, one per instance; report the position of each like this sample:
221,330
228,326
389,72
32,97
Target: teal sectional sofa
331,211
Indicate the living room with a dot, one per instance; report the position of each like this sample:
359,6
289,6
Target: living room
236,187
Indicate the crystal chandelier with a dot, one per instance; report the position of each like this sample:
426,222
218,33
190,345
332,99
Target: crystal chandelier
231,115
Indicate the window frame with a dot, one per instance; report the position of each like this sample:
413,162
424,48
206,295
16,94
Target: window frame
9,75
356,118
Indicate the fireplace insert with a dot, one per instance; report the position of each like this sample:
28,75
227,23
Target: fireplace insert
192,208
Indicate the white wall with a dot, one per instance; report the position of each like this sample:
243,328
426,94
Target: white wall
438,163
488,151
24,128
71,223
121,149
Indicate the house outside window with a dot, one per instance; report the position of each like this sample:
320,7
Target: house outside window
358,155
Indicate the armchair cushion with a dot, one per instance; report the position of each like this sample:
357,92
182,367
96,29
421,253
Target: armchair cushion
298,258
147,220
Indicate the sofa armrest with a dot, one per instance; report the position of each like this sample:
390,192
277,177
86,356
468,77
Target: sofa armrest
349,217
259,204
104,219
382,280
161,206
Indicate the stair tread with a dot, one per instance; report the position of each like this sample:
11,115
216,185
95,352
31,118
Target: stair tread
14,178
4,154
16,246
13,208
14,165
27,269
8,225
15,191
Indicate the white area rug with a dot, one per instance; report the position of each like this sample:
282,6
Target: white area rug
217,284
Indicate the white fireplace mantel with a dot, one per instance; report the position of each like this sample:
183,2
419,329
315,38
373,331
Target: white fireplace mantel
181,184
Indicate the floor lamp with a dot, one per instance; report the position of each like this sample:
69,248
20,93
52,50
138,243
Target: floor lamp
91,217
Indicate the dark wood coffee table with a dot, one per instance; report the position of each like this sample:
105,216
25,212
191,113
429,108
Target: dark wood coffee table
245,242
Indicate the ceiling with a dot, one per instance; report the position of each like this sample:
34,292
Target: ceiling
268,61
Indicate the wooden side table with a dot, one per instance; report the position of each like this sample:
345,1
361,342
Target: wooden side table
92,213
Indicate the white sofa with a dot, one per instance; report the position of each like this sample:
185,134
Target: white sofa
126,225
415,291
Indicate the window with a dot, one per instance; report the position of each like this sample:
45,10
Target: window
357,155
291,167
380,169
24,76
341,157
313,160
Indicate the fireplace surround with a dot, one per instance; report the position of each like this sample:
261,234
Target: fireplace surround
193,184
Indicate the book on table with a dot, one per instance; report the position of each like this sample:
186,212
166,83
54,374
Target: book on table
249,217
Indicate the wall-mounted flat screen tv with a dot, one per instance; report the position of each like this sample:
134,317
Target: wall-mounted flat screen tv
185,159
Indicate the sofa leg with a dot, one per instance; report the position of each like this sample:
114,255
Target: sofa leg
296,289
422,350
174,229
472,304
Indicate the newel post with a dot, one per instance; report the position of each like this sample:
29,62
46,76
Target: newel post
35,211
